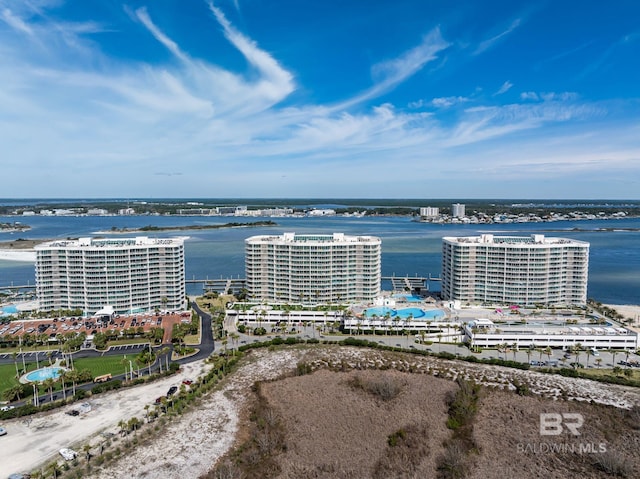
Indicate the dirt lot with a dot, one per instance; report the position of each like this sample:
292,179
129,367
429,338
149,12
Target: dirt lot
333,429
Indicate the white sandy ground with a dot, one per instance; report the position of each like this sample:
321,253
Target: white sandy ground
27,256
192,443
38,439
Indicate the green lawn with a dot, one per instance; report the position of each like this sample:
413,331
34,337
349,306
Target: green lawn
105,364
7,376
97,366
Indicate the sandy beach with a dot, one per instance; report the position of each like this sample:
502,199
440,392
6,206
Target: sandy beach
26,256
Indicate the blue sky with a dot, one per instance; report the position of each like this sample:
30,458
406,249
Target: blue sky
325,99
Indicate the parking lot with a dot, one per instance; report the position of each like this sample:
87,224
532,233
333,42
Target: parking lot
51,330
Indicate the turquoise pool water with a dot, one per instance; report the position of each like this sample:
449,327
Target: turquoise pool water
43,374
408,298
9,309
404,313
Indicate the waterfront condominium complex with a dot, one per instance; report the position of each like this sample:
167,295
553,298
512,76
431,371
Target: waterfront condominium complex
129,274
318,268
515,270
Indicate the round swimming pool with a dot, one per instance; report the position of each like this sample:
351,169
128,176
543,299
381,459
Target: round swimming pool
44,374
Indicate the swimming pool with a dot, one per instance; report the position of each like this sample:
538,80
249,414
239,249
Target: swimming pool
8,309
44,374
409,298
404,313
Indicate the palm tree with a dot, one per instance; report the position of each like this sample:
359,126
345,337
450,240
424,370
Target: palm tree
627,352
64,376
125,362
54,469
48,385
599,362
548,352
589,354
165,351
577,350
87,451
14,355
14,392
75,378
613,353
529,353
123,426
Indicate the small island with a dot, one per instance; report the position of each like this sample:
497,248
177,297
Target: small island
150,228
14,227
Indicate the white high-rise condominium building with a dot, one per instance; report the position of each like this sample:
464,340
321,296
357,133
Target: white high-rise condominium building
515,270
429,211
313,268
129,274
457,210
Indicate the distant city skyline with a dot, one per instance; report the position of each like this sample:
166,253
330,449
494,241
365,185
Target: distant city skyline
350,99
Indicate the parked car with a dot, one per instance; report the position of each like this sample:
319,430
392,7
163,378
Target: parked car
6,408
73,412
3,431
172,390
187,382
159,399
68,454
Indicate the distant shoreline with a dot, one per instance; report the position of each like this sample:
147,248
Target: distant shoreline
153,229
23,249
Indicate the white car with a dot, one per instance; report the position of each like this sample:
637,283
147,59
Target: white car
68,454
6,408
3,431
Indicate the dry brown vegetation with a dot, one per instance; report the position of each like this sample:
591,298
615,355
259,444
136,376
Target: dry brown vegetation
368,416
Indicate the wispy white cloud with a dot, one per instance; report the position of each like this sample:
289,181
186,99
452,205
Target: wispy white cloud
446,102
506,86
172,46
490,42
277,82
529,95
390,73
242,132
16,22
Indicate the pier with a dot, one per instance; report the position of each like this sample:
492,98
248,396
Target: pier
222,285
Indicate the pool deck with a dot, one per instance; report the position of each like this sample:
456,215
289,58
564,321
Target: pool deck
23,379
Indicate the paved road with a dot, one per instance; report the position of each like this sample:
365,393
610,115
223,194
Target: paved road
205,349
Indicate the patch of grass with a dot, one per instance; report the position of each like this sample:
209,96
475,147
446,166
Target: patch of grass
256,457
106,364
408,447
8,376
385,387
613,464
463,406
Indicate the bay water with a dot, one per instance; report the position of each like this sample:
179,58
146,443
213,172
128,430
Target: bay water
408,247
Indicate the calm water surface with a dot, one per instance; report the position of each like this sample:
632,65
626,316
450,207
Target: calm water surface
408,247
